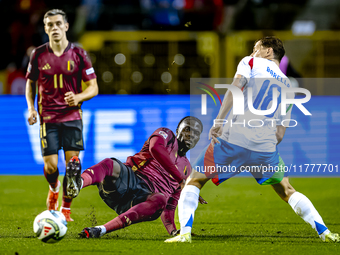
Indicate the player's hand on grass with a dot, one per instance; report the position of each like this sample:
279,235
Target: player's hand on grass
71,99
32,117
202,201
215,132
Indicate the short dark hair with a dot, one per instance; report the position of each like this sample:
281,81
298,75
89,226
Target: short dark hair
274,43
190,117
54,12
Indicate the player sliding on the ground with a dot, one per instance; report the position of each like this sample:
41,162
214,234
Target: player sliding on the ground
245,145
147,186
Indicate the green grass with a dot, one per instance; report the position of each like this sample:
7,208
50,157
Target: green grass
242,217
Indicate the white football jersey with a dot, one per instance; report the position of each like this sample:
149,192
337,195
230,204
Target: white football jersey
253,131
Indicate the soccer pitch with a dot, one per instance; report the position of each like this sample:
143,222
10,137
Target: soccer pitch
241,217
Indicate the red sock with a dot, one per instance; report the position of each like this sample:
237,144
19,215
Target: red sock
149,210
66,202
97,173
52,178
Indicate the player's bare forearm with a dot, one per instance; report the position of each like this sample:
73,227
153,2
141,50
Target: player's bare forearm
280,132
226,105
30,94
216,129
239,81
90,91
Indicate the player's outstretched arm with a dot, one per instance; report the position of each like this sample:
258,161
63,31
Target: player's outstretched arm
280,132
168,215
159,152
91,91
239,81
30,97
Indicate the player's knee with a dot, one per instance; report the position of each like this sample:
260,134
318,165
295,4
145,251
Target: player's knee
111,166
158,200
50,167
115,168
157,203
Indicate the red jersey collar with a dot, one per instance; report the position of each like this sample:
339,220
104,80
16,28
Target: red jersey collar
66,49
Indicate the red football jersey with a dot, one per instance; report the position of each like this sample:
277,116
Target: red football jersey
152,171
57,75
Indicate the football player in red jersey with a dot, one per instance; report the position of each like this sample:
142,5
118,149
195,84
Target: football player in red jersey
58,68
147,185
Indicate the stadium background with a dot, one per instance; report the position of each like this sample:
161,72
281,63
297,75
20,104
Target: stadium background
145,52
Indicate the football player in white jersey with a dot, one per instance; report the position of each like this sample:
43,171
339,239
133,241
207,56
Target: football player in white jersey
247,141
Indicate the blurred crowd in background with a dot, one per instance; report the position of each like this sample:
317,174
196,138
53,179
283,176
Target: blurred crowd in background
24,30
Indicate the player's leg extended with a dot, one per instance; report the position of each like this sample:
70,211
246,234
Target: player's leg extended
303,207
148,210
51,173
74,181
72,142
70,181
97,173
187,206
49,141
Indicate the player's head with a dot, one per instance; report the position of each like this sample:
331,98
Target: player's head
56,24
269,47
188,132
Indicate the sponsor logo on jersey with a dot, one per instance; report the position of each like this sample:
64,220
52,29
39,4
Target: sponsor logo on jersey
90,71
46,66
162,133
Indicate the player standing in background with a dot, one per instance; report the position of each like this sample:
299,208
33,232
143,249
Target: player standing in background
244,145
58,68
147,185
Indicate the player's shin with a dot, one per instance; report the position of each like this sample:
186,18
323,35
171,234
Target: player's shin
66,206
187,206
53,193
305,209
52,179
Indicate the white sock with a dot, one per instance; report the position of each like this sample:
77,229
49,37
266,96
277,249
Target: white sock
103,230
187,206
56,188
305,209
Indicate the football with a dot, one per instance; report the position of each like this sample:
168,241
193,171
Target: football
50,226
